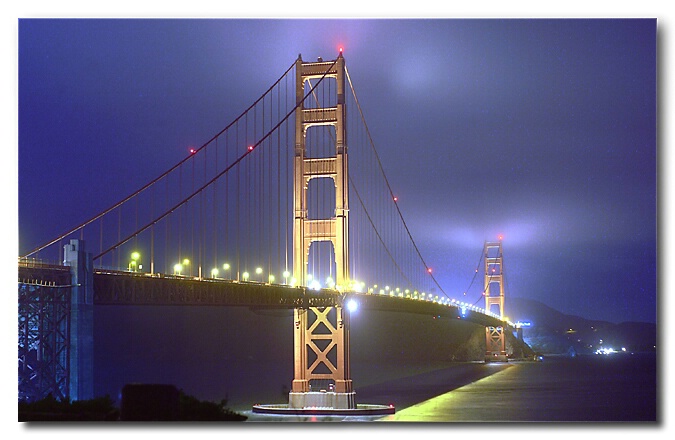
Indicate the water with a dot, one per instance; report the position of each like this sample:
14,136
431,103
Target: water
247,358
594,388
615,388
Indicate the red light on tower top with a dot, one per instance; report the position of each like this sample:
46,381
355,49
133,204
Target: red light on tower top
250,148
192,151
429,269
395,199
340,49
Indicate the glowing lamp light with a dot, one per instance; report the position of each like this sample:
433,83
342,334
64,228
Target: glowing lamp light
250,148
429,269
352,305
395,199
192,151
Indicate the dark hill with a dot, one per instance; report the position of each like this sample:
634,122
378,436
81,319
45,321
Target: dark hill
553,332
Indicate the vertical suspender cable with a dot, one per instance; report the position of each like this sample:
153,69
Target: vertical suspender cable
215,214
237,211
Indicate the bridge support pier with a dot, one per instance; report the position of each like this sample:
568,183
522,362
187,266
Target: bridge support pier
495,345
321,346
81,320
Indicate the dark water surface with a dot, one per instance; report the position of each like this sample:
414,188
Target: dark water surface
615,388
247,358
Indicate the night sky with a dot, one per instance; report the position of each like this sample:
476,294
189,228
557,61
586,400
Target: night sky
541,130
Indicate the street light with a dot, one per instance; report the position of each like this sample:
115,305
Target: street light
245,276
286,274
271,279
226,267
177,269
135,256
214,272
258,271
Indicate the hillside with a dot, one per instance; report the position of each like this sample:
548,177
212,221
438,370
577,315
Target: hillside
553,332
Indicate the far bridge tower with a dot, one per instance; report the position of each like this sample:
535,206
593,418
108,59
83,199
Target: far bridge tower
495,337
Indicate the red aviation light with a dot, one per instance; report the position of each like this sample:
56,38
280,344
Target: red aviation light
395,199
340,49
250,148
192,151
429,269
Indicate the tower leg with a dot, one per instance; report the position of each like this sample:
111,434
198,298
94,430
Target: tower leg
322,377
495,345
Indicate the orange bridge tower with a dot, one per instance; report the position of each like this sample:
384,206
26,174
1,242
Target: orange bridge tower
495,338
322,375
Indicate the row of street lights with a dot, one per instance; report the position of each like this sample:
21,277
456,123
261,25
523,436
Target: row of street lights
178,268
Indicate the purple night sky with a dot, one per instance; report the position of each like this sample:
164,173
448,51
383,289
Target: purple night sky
542,130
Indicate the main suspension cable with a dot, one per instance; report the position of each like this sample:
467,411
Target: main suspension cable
249,150
389,186
152,182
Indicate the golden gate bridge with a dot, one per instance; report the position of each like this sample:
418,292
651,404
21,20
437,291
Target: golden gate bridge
288,206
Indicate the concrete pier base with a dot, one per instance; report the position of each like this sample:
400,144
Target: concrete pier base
322,399
359,410
318,403
496,357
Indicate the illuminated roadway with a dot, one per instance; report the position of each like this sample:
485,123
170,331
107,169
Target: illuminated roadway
129,288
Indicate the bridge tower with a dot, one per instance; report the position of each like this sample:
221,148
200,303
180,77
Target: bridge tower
495,337
321,335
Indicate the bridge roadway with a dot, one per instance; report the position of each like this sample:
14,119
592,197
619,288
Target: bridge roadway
113,287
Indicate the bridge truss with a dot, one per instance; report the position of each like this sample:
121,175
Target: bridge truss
44,332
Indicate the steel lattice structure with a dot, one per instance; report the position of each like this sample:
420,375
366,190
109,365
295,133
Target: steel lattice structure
44,332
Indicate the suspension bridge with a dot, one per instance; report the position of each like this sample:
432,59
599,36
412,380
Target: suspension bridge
284,208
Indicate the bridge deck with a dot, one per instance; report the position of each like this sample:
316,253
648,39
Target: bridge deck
129,288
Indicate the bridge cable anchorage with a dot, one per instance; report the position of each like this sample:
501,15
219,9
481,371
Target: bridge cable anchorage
351,85
200,189
163,175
